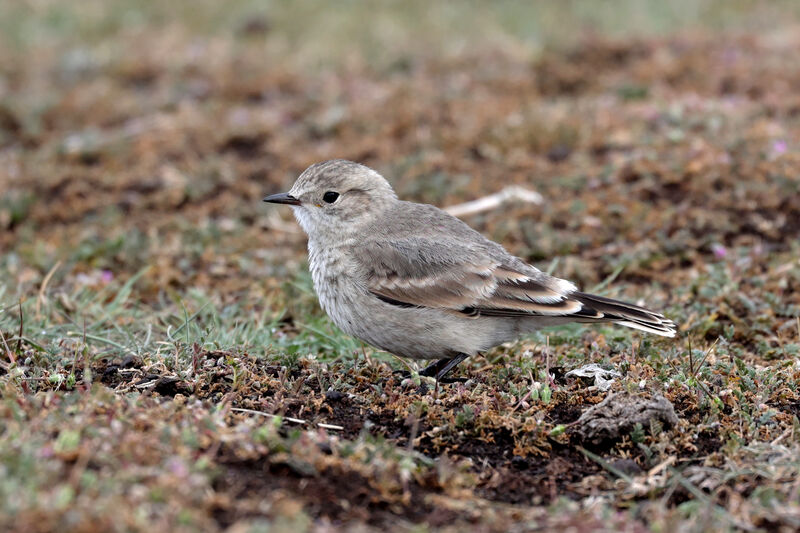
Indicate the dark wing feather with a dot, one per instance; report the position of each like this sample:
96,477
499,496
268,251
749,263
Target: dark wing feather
422,273
418,272
626,314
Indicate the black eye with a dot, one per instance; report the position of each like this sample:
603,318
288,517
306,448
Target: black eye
330,196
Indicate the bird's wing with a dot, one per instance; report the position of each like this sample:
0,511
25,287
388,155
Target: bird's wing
428,273
470,279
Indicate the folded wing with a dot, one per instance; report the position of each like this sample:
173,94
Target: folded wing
425,273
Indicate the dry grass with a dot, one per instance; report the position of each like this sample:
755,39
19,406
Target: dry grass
164,365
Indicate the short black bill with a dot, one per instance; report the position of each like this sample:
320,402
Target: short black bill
282,198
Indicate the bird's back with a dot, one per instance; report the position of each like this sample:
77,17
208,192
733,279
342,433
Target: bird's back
456,241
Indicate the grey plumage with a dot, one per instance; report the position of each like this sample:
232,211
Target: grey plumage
415,281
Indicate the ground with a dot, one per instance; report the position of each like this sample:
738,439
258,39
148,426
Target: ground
164,364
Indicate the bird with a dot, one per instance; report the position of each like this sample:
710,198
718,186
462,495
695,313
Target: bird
411,279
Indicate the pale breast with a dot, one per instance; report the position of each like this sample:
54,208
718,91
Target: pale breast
337,288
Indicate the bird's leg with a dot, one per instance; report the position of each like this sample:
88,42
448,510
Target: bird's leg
439,369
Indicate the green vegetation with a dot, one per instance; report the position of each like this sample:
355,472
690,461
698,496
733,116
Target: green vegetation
164,365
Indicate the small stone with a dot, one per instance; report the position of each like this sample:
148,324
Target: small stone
334,396
559,153
627,467
519,462
617,415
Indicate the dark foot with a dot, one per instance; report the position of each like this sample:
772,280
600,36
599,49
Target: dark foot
439,369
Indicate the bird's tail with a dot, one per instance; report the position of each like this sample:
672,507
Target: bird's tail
599,309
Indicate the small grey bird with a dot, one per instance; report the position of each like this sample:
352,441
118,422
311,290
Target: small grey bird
413,280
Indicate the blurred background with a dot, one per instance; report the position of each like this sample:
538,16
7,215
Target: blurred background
146,132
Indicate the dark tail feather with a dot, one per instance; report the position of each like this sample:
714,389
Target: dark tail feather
600,309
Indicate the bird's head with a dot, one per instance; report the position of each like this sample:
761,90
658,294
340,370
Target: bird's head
336,197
